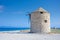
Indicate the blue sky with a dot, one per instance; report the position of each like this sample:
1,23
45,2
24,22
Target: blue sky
13,12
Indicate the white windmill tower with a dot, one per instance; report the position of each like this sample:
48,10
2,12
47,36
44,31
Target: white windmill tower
40,21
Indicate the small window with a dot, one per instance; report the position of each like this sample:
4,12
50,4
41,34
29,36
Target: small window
41,12
45,21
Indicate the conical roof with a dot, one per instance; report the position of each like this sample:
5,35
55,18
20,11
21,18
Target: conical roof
41,9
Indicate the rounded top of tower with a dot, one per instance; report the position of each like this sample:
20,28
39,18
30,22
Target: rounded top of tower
41,9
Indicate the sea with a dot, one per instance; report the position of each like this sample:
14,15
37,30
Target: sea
12,29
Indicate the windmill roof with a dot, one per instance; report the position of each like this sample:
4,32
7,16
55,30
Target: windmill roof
41,9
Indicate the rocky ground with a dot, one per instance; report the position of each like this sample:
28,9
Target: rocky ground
28,36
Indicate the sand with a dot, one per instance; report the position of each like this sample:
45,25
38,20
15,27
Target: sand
28,36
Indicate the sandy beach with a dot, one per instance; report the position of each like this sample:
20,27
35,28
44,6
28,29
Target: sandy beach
28,36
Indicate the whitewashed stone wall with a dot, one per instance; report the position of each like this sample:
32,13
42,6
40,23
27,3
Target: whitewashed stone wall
38,24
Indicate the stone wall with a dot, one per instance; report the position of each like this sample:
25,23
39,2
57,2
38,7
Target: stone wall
40,23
